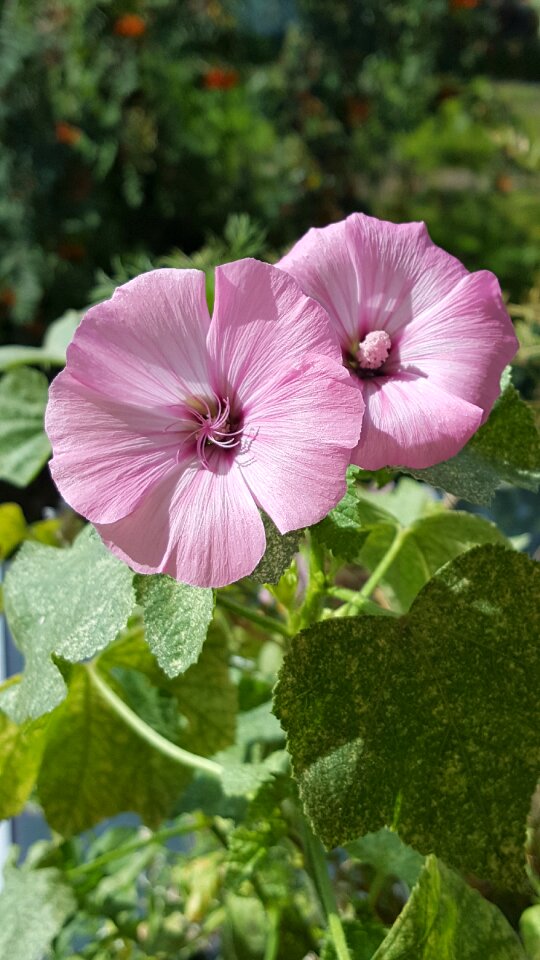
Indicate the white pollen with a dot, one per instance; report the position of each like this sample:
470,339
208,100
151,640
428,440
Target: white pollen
373,350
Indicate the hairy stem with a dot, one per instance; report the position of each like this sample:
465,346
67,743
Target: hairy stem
384,564
316,588
269,624
166,747
319,865
362,597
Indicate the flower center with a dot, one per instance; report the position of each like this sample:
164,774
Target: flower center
216,428
369,356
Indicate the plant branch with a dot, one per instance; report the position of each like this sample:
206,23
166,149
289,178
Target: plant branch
362,597
384,564
269,624
158,837
317,857
143,730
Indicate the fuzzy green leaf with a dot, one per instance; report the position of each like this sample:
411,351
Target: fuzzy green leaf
24,447
34,905
425,722
446,919
506,448
280,549
345,529
71,603
176,620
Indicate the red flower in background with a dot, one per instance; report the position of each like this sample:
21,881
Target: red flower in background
463,4
8,298
66,133
71,250
220,78
129,25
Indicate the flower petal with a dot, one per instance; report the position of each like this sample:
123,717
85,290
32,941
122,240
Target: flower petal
463,343
263,326
107,455
303,430
147,344
321,263
201,527
410,422
400,271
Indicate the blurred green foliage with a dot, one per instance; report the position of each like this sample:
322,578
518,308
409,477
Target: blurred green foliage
129,127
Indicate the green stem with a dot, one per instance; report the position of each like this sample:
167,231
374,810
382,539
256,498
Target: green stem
166,747
361,598
316,589
319,863
384,564
159,837
272,941
269,624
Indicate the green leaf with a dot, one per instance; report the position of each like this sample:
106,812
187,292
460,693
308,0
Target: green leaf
363,527
345,529
506,448
385,852
12,528
94,766
20,757
363,937
24,447
34,905
446,919
429,543
53,351
529,927
259,850
59,335
205,694
70,603
280,550
425,722
176,620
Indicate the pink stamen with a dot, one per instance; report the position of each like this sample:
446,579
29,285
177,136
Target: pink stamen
212,427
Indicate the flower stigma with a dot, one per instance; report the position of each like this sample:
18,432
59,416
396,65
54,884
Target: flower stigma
215,426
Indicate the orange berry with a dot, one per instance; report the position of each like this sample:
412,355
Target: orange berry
220,78
66,133
129,25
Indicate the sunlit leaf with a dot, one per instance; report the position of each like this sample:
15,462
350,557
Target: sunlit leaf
24,447
176,619
71,603
34,905
447,919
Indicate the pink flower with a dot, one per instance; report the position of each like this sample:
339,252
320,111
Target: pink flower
170,429
425,340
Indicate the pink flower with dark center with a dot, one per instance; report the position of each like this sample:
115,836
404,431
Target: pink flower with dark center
170,429
425,341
